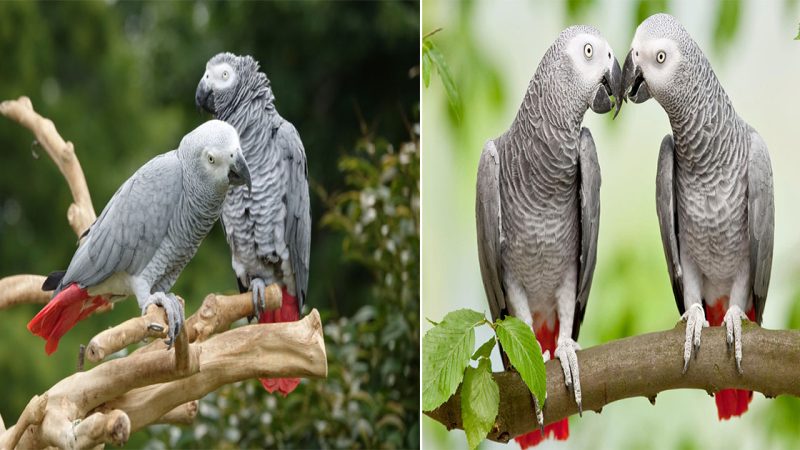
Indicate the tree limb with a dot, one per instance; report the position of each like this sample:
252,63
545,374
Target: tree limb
81,212
20,289
643,366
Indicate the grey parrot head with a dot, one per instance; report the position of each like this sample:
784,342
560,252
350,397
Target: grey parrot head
215,154
662,61
585,70
230,80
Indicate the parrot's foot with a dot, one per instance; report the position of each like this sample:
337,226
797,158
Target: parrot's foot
695,321
565,352
258,288
733,324
174,309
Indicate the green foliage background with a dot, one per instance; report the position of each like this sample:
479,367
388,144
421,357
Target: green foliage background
492,50
118,80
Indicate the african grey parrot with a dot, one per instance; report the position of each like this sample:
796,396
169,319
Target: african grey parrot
268,228
147,233
538,202
713,192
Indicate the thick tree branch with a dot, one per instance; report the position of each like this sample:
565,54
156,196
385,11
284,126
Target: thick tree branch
19,289
643,366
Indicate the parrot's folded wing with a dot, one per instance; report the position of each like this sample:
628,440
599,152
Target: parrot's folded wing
488,216
667,217
761,220
589,191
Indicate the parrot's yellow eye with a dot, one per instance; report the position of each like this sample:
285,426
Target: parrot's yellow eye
210,159
588,50
661,56
225,74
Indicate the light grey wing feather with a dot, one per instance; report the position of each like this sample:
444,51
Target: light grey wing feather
298,206
761,220
132,225
668,218
489,223
589,191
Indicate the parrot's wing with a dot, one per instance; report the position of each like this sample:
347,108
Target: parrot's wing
298,207
488,216
589,192
761,220
668,218
132,225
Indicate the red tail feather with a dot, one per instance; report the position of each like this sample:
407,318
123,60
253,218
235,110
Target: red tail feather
558,430
730,402
289,312
62,313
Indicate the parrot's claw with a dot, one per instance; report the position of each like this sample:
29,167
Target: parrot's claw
733,325
539,414
258,288
695,320
174,310
565,352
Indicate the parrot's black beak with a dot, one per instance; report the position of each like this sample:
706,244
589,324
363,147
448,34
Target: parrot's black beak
634,85
239,173
610,86
204,97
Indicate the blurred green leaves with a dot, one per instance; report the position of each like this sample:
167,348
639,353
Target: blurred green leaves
432,58
728,15
646,8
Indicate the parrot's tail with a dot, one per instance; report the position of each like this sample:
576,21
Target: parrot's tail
558,430
67,308
289,312
730,402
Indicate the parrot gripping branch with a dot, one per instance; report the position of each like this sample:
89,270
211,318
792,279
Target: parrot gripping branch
106,403
644,366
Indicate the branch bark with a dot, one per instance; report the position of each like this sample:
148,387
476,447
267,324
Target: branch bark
81,212
644,366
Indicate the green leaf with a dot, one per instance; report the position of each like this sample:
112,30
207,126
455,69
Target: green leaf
480,398
450,89
728,14
798,33
523,351
426,66
446,350
484,350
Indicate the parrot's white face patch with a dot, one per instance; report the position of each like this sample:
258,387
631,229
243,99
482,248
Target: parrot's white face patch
591,56
220,76
659,60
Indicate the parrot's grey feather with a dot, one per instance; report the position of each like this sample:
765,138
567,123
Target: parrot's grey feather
761,220
298,214
667,218
487,214
589,191
132,226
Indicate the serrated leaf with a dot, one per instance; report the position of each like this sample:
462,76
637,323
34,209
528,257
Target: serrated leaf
524,353
485,349
426,66
446,350
450,89
480,399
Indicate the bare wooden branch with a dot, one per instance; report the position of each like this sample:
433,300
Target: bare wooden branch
644,366
275,350
32,415
153,324
81,212
181,415
21,289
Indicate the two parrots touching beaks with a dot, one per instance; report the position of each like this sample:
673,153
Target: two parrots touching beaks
538,201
